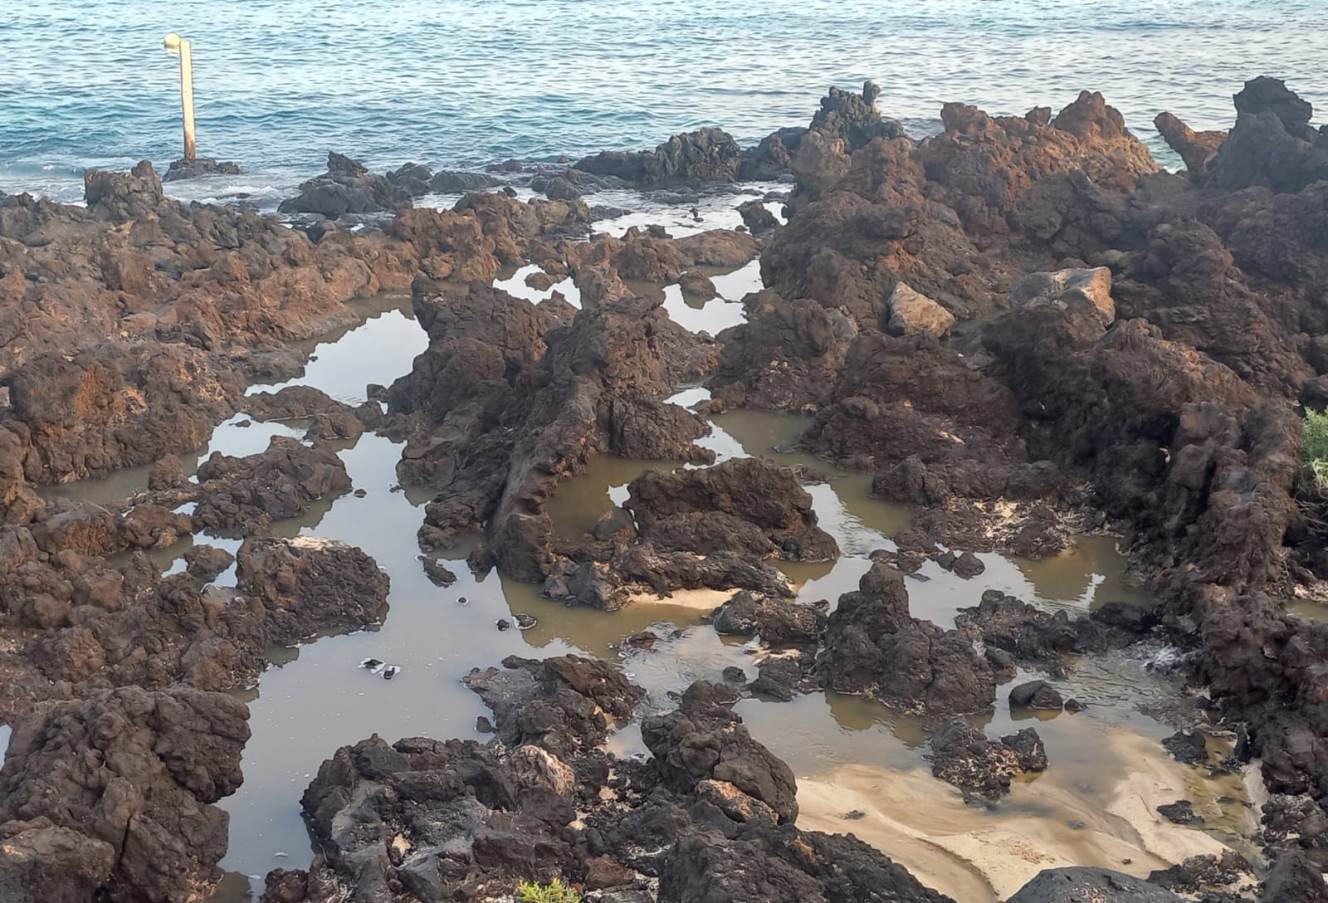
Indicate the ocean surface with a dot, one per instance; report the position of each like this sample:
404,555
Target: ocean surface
451,83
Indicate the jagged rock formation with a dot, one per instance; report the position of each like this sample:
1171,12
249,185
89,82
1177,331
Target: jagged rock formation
711,813
111,797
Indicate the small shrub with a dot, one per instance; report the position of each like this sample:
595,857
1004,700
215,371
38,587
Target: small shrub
553,892
1314,447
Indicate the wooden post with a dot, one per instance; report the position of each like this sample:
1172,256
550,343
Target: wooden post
184,49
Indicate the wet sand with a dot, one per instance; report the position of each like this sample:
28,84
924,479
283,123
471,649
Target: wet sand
977,855
1095,805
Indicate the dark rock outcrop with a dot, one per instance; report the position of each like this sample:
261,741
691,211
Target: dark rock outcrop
112,797
311,585
779,622
1070,885
565,704
750,505
1272,143
198,168
104,626
1195,148
982,769
242,496
874,647
436,820
347,187
706,155
757,218
705,745
1036,694
1037,638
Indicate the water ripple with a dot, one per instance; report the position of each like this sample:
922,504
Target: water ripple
452,82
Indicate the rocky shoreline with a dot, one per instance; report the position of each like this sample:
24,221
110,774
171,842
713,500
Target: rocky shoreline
1022,328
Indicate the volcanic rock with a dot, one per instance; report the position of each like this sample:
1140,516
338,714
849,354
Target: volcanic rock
347,187
133,820
874,647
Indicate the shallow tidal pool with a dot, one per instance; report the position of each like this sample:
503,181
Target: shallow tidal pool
860,767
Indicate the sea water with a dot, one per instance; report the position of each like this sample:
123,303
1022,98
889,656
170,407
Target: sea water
455,83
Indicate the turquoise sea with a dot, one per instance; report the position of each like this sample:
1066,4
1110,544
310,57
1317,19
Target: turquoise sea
461,82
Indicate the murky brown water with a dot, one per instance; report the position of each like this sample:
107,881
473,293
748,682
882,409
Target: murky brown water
341,363
1308,610
1093,805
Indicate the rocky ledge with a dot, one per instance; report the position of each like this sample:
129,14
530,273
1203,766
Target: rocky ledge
1020,326
708,816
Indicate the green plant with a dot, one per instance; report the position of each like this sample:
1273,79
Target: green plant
553,892
1314,447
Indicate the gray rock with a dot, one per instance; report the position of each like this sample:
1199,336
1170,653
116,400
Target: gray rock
450,182
968,565
346,188
199,167
207,563
1036,694
757,218
1090,885
1187,746
1181,812
413,178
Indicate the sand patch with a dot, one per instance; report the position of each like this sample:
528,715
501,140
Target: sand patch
980,855
706,600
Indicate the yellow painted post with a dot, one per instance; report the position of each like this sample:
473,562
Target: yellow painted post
184,49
